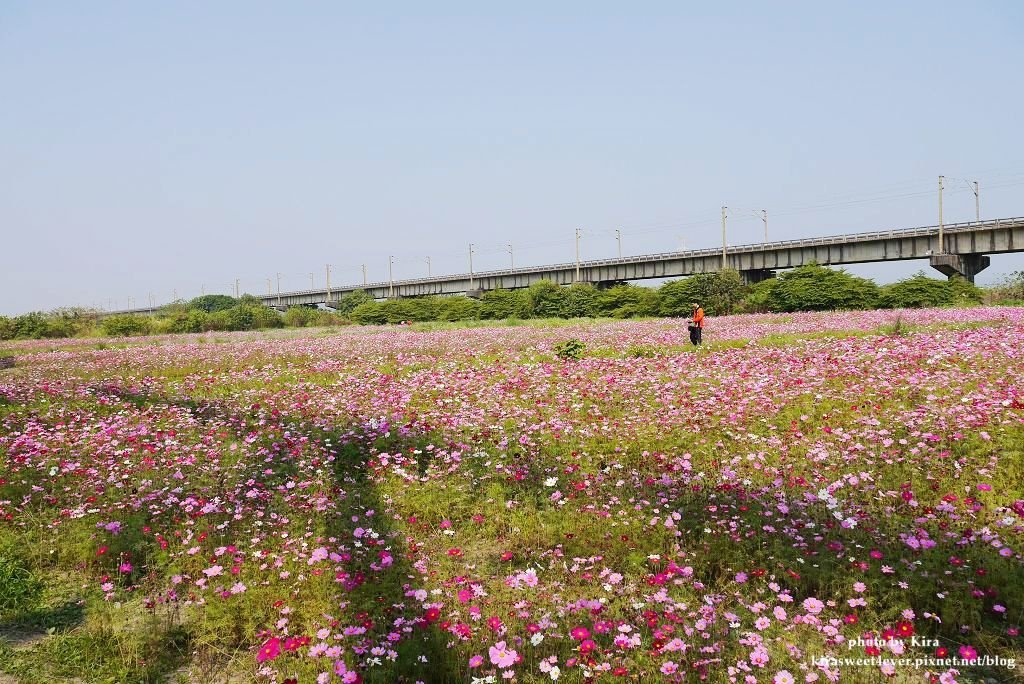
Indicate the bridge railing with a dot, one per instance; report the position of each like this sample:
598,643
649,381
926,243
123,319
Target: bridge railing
923,231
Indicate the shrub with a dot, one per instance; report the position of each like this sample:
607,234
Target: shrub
30,326
8,330
213,302
499,304
570,350
126,325
300,316
921,291
628,301
546,299
350,300
369,313
816,288
264,317
579,301
459,309
718,293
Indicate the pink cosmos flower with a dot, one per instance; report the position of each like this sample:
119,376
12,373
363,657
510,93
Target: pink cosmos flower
813,606
269,650
502,655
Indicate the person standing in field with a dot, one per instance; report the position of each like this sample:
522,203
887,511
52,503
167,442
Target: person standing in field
696,324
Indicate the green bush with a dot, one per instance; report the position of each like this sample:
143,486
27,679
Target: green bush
369,313
921,291
8,331
213,302
759,298
718,293
579,301
300,316
628,301
1010,291
350,300
501,304
126,325
265,317
546,299
30,326
570,350
459,309
816,288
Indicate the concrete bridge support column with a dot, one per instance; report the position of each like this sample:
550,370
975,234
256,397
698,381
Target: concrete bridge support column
757,275
964,265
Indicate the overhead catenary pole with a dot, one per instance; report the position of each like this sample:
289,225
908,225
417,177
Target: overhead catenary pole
764,217
279,289
328,274
725,258
511,258
942,246
236,288
391,277
977,203
428,267
618,241
470,265
364,275
577,256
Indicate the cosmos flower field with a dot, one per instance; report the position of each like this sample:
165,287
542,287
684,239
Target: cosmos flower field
394,505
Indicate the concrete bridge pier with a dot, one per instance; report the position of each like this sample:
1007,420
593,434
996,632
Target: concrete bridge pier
964,265
756,275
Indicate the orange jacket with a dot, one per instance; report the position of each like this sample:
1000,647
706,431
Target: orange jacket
698,317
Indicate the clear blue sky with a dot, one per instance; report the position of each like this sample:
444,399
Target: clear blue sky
147,147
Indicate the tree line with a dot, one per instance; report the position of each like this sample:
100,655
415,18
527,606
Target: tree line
808,288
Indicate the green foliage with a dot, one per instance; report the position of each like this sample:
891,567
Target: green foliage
570,350
1010,290
20,589
213,302
301,316
350,300
369,313
500,304
416,309
628,301
185,322
816,288
546,299
579,301
921,291
30,326
458,309
759,298
718,293
126,325
642,351
8,330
